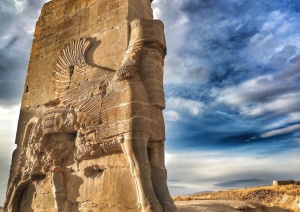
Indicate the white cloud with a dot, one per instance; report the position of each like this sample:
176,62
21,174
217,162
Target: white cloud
189,70
8,127
191,107
179,69
278,29
294,116
190,172
241,93
284,28
281,131
261,95
286,120
277,15
278,106
173,18
171,115
21,16
20,5
274,20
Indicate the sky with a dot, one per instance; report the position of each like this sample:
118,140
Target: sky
231,84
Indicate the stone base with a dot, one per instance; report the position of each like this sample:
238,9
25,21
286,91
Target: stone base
102,184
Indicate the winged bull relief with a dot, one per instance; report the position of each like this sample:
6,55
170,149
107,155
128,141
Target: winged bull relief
103,112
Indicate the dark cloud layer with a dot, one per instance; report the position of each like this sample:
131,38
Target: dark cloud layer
240,60
11,73
243,183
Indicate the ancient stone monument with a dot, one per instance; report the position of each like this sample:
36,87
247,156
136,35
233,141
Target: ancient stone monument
91,129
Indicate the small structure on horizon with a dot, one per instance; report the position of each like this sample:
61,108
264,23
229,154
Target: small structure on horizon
285,182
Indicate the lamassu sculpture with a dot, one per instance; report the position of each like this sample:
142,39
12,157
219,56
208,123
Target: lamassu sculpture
102,112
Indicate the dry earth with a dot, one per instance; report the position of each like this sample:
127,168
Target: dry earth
217,206
260,199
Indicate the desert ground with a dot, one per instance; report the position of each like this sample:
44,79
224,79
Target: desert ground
260,199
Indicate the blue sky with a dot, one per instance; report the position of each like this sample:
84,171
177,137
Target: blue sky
233,97
231,82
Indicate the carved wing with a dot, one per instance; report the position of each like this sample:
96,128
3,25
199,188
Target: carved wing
79,85
72,55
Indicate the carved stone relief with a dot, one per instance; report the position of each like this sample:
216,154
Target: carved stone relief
102,112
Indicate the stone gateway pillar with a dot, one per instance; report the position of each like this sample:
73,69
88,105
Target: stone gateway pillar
91,130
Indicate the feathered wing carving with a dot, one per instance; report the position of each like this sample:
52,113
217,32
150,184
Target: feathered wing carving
72,55
80,86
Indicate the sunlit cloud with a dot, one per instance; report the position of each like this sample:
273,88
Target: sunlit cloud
281,131
191,107
171,115
20,5
8,129
190,172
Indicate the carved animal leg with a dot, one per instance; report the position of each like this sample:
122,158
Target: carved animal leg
135,147
159,176
60,195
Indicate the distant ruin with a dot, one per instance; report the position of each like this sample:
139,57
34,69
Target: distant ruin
91,129
285,182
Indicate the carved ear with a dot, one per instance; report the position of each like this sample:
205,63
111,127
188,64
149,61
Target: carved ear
72,55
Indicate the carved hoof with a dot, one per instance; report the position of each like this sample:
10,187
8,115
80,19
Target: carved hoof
168,207
151,206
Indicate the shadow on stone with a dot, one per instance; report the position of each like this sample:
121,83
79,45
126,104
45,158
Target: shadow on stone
73,185
25,202
90,53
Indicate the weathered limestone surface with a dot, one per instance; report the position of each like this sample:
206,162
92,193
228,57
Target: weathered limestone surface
91,130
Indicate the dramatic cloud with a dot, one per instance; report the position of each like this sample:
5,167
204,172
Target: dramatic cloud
240,61
191,107
214,170
279,26
281,131
180,68
277,93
